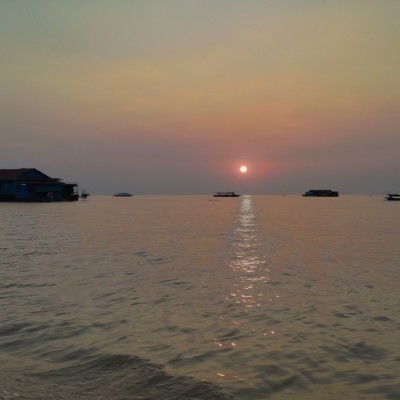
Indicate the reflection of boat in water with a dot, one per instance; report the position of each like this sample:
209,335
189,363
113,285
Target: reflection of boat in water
393,197
321,193
226,194
123,194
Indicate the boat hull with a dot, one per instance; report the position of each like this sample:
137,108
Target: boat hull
218,195
123,195
393,197
321,193
226,194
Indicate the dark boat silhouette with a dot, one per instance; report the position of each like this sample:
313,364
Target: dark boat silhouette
226,194
393,197
321,193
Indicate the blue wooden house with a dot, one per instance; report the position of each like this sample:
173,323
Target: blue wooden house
29,184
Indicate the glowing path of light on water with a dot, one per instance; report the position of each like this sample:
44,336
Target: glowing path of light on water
247,260
249,295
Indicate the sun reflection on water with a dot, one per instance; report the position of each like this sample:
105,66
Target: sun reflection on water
249,296
246,259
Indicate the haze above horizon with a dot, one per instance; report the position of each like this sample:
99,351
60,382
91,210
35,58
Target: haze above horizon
174,97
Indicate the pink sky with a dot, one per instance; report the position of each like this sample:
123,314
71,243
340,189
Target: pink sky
172,97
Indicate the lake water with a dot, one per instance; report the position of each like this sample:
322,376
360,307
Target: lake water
191,297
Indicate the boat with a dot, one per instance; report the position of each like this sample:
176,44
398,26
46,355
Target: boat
321,193
393,197
226,194
123,194
84,194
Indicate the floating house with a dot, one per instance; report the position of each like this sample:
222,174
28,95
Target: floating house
29,184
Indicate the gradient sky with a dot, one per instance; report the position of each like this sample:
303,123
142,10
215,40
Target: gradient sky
172,96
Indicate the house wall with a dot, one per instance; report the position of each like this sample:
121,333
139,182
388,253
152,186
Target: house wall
31,192
32,185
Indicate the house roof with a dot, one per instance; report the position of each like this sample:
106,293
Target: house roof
24,174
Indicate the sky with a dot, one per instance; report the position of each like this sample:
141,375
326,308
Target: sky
173,96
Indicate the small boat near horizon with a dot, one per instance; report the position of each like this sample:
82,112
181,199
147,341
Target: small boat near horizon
226,194
84,195
393,197
122,194
321,193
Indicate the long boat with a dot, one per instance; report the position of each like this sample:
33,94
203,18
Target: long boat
226,194
321,193
123,194
393,197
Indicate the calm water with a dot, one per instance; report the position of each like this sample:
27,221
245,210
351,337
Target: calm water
190,297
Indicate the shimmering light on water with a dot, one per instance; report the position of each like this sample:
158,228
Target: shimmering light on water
247,261
269,296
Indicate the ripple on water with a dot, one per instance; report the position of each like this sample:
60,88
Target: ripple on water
117,377
272,301
360,351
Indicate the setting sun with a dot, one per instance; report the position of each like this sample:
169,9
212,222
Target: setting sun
243,169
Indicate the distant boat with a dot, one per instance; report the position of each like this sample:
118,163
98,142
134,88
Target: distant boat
393,197
84,194
123,194
226,194
321,193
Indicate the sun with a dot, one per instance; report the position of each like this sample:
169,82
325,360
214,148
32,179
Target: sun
243,169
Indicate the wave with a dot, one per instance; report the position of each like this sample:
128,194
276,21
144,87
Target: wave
117,377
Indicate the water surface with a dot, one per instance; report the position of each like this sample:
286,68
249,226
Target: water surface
191,297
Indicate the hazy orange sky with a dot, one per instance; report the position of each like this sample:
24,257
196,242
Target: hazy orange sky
172,96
